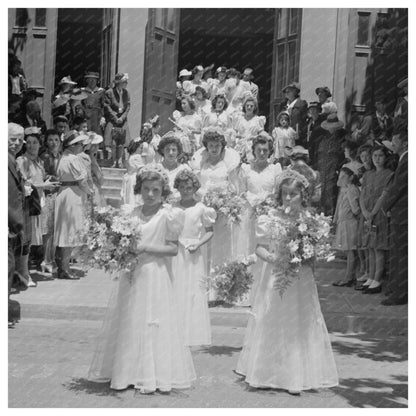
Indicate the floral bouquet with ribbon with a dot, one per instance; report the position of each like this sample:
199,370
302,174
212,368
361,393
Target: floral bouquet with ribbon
110,240
297,240
225,203
232,280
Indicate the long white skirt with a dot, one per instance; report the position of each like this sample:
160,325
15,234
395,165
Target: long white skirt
190,290
287,344
141,342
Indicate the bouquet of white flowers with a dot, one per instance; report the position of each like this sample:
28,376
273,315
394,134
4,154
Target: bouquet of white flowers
297,240
233,280
110,240
225,203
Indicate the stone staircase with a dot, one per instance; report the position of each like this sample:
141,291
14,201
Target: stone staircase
111,188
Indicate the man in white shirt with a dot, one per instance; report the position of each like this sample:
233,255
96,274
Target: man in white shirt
254,89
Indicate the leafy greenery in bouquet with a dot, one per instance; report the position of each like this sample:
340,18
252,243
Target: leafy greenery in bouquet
232,280
225,203
264,207
110,240
297,240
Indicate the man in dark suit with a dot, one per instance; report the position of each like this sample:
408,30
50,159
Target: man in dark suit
31,116
15,209
298,111
382,123
396,201
116,109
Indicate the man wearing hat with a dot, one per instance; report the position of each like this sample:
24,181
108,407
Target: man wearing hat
116,109
30,116
94,103
329,160
324,97
253,88
298,111
314,130
218,86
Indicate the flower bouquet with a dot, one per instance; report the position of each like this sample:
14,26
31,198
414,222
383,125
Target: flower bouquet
110,240
225,203
232,280
297,240
263,207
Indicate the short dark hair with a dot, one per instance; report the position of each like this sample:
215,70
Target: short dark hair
151,176
60,119
213,136
186,175
351,174
216,98
133,146
51,132
353,148
262,140
169,139
79,120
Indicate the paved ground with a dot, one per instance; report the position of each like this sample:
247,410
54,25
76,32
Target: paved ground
50,350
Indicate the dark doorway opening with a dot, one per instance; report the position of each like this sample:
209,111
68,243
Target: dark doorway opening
236,38
78,43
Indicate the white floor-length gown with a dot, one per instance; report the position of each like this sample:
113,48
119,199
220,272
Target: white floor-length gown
142,340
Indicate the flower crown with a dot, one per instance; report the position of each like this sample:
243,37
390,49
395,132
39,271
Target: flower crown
155,168
212,129
292,174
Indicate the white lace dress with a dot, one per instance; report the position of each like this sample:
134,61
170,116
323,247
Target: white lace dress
287,345
142,341
189,271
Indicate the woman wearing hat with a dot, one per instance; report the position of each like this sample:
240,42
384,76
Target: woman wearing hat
116,109
69,206
60,103
329,160
94,103
184,75
189,86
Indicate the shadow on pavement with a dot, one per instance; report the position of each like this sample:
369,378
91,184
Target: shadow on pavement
220,350
370,392
384,348
89,387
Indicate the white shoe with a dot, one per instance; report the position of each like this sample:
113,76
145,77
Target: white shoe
31,283
363,278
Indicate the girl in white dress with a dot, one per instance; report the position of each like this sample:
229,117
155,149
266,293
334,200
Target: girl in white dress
170,148
283,136
218,117
257,180
189,122
287,345
142,341
247,125
189,266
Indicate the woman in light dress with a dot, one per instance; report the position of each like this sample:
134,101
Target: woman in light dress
215,165
31,167
189,266
189,86
286,345
141,344
170,147
70,203
257,180
189,122
247,125
202,104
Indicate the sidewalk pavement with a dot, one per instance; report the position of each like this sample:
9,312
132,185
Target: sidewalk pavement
50,350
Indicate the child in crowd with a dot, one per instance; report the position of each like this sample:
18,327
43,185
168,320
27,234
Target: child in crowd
142,342
364,156
283,136
375,230
155,122
346,220
189,266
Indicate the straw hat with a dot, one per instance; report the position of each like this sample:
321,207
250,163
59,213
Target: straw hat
67,80
332,123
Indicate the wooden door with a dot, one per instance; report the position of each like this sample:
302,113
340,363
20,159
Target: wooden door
161,65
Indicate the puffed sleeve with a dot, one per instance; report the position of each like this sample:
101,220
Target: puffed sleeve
208,216
262,227
174,223
78,169
261,122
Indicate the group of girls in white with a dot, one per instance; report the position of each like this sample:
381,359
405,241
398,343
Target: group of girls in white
161,309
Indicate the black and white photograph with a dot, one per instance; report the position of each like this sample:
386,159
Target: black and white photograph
207,206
